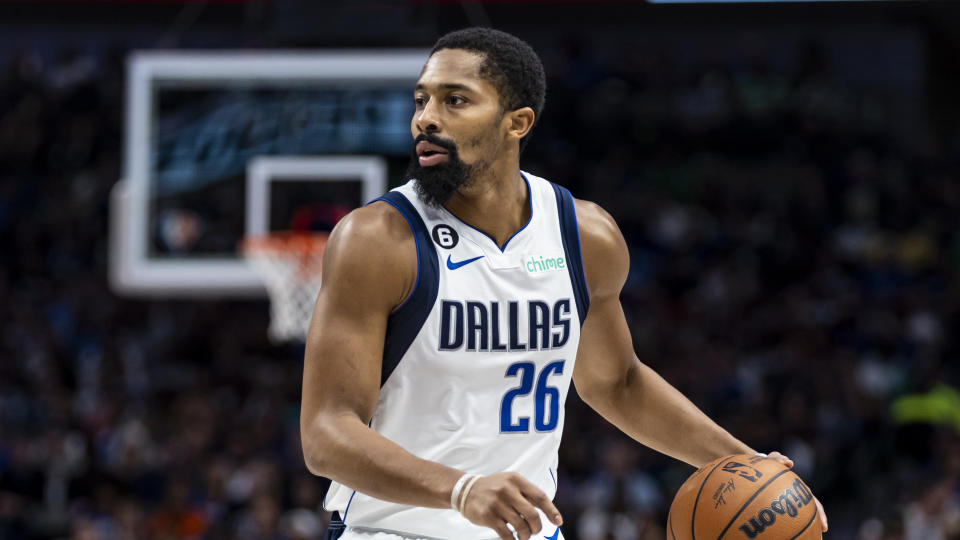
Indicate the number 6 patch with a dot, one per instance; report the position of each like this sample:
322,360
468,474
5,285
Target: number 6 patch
445,236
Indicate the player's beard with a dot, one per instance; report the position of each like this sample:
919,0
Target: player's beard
437,183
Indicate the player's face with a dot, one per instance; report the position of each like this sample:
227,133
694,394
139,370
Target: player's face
454,102
457,125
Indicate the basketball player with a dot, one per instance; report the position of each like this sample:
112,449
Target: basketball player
455,311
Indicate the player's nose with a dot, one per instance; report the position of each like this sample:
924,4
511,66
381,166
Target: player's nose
428,118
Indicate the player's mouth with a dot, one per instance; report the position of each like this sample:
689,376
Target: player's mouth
430,154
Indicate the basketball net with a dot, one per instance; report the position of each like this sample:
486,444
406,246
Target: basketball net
290,264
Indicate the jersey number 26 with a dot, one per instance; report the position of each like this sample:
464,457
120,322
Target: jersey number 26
542,420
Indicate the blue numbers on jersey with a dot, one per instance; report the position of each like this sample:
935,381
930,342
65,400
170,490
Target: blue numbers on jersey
506,408
542,420
542,393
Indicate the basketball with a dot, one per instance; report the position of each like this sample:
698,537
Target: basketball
743,497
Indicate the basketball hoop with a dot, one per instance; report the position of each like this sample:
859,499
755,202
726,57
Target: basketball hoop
290,265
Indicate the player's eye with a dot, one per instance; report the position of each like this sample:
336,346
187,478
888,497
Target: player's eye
419,101
456,100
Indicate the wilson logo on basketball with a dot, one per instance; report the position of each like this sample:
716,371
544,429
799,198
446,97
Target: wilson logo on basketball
788,503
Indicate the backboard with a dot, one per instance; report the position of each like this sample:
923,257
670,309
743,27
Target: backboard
203,129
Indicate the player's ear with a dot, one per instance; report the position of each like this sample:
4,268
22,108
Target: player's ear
520,122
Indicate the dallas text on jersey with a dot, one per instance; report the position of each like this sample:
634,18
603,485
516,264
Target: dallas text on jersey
478,326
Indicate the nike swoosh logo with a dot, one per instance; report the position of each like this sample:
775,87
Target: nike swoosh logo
454,265
554,535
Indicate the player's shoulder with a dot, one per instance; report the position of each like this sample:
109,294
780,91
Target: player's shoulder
372,246
375,224
598,230
605,257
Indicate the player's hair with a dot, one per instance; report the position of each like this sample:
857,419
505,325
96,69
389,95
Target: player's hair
509,64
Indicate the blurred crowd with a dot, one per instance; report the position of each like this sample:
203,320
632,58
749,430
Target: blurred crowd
794,262
795,257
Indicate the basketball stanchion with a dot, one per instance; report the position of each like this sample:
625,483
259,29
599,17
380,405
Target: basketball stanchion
290,264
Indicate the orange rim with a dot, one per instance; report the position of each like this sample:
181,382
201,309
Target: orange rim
307,247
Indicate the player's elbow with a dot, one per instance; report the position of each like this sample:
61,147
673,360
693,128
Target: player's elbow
312,458
317,445
598,397
314,461
607,394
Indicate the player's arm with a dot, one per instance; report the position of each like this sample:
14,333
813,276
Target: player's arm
369,269
612,380
609,376
364,279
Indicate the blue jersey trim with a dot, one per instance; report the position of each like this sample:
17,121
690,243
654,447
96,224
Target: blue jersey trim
571,248
416,240
505,244
552,477
347,509
405,322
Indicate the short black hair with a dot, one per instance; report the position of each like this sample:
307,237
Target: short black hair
509,64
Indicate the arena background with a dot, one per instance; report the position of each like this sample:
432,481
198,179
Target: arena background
787,177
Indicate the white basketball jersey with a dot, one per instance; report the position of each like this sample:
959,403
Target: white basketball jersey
478,360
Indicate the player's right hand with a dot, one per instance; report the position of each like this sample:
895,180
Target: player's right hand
499,499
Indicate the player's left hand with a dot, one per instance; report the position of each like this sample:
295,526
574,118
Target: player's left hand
789,463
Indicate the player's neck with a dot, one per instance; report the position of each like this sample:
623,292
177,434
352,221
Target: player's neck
496,203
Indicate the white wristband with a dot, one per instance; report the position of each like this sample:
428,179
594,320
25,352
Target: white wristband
466,492
455,494
761,454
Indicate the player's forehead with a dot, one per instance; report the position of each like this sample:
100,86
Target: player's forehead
451,68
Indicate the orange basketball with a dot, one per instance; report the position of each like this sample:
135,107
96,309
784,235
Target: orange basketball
743,497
